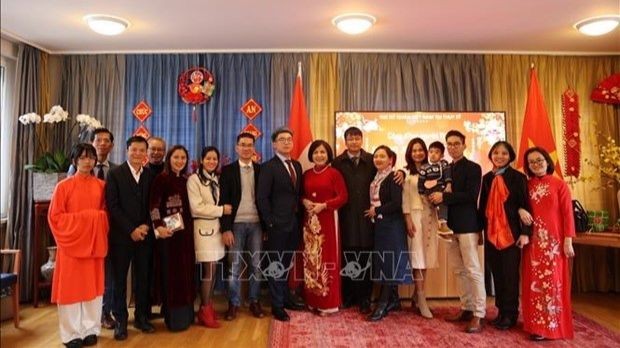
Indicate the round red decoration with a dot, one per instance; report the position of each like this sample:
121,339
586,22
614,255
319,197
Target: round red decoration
196,86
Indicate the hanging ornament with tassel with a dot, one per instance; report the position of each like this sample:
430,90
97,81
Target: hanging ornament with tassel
195,87
572,139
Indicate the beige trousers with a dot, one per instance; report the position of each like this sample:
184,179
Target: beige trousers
463,258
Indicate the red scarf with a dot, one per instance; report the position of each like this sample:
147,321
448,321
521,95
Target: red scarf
498,230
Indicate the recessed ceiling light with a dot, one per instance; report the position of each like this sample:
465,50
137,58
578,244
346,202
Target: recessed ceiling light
596,26
106,25
354,23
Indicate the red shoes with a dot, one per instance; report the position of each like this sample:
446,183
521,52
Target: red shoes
206,316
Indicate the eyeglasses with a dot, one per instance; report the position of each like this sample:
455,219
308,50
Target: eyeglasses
536,161
285,140
245,145
454,144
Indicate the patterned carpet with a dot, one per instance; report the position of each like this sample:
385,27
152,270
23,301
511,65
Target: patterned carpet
406,329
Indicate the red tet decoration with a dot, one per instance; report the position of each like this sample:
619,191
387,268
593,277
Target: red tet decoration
257,157
196,86
250,128
251,109
608,90
572,140
142,111
143,132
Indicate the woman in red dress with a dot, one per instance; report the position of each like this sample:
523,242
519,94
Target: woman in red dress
324,192
545,292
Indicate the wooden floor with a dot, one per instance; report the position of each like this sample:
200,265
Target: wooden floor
39,327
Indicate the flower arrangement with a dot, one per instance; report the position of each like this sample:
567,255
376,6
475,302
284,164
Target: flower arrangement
609,161
56,161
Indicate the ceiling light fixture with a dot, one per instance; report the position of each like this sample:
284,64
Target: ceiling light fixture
354,23
596,26
106,25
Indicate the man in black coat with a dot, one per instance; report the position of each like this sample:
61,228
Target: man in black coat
279,204
241,230
131,237
356,230
462,205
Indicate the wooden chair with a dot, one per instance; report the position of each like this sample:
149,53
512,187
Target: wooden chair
11,280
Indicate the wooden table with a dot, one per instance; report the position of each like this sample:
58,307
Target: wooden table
602,239
595,258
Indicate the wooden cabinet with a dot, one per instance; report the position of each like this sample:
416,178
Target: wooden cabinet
41,239
440,282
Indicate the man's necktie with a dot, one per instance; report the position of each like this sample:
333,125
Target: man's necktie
100,173
291,172
356,160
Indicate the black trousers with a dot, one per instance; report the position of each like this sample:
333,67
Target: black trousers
108,292
281,244
121,256
505,265
356,271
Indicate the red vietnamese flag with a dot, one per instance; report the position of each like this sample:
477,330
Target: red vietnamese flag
302,138
536,130
300,125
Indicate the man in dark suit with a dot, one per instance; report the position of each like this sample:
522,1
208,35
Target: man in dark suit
103,141
131,238
242,232
462,205
358,170
278,200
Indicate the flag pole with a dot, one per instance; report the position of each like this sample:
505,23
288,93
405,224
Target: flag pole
299,69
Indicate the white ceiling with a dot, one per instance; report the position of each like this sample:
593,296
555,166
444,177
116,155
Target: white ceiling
536,26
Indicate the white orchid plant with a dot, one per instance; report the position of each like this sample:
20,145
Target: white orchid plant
57,161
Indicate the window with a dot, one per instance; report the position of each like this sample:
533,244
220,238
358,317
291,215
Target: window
8,119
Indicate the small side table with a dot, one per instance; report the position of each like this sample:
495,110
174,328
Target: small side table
40,229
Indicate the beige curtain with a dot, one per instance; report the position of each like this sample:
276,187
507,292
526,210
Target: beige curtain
508,81
323,95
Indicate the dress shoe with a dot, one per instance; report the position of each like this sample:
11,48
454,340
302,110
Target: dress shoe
294,305
380,312
505,323
280,314
107,322
474,325
231,314
144,326
365,307
89,340
256,309
497,319
461,316
348,303
76,343
394,305
120,331
535,337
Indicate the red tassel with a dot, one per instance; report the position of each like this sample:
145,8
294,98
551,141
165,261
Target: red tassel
572,139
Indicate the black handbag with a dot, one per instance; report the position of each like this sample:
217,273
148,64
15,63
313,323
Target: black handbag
581,217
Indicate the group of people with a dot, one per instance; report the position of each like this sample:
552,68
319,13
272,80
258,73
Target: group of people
351,221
